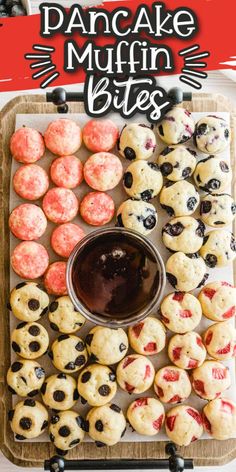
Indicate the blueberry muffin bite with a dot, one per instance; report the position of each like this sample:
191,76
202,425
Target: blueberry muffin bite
220,341
179,198
29,340
147,337
29,301
176,127
219,248
29,419
106,424
185,272
142,180
177,162
106,346
59,392
146,416
183,425
137,215
184,234
64,317
68,353
213,175
97,384
218,210
212,134
172,384
136,141
181,312
25,378
210,380
218,300
187,350
219,418
135,373
66,430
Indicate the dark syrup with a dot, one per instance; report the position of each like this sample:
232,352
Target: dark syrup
115,276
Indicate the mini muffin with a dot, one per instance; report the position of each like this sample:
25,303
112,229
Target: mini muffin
100,135
27,145
97,384
67,172
30,182
27,222
29,419
29,340
106,424
176,127
59,392
210,380
106,346
29,260
55,278
220,341
68,353
136,141
135,373
142,180
219,248
29,301
179,198
172,384
219,418
177,162
218,301
181,312
25,378
63,137
183,425
146,416
213,175
65,237
66,430
185,272
64,317
184,234
212,134
103,171
147,337
218,210
60,205
137,215
187,350
97,208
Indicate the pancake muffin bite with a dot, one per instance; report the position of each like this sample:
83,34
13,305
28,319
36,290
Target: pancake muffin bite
67,172
30,182
135,373
146,416
220,341
100,135
210,380
212,134
181,312
97,208
184,234
219,418
55,279
218,210
63,137
176,127
59,392
27,145
29,340
219,248
213,175
60,205
29,260
185,272
65,237
27,222
172,384
142,180
179,198
25,378
97,384
183,425
29,419
106,346
187,350
29,301
106,424
136,141
177,162
147,337
137,215
68,353
218,301
65,430
103,171
64,317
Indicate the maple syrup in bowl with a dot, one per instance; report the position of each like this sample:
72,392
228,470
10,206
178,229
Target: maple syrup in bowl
115,277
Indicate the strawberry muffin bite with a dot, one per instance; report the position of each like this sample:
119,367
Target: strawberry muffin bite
181,312
67,172
29,260
55,279
27,145
183,425
103,171
100,135
172,384
210,380
187,351
30,182
218,301
97,208
146,416
27,222
63,137
147,337
219,418
136,141
220,341
60,205
135,373
65,237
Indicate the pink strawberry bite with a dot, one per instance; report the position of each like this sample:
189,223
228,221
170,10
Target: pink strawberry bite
148,337
135,373
172,384
146,416
220,340
103,171
27,145
184,425
100,135
210,380
219,418
218,300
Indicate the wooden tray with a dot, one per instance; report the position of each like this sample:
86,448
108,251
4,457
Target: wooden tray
33,454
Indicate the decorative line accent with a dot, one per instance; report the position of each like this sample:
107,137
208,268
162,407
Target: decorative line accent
39,47
40,64
44,71
195,73
187,50
46,65
193,83
50,79
188,69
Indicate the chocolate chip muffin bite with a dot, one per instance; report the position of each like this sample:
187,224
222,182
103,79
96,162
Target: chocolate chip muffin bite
137,215
68,353
106,424
97,384
213,175
106,346
29,340
176,127
184,234
219,248
28,419
66,430
142,180
212,134
25,378
29,301
64,317
59,392
218,210
179,198
185,272
136,141
177,162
